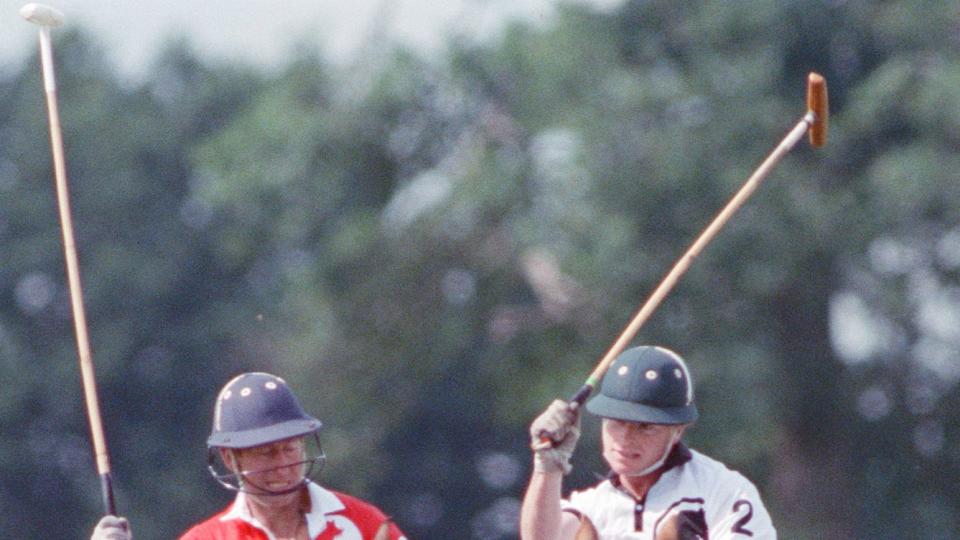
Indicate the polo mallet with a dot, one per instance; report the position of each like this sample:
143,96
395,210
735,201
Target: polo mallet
814,121
46,18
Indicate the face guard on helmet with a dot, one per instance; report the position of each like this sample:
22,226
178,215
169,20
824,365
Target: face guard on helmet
256,414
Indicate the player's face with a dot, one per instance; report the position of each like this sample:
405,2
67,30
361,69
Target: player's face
630,447
272,467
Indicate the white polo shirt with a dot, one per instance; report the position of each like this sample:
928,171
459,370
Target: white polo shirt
696,496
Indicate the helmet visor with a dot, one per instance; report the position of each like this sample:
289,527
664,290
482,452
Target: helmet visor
620,409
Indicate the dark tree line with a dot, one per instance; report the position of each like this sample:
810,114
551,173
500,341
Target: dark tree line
431,249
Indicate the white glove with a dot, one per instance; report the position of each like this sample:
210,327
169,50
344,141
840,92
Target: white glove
553,436
112,528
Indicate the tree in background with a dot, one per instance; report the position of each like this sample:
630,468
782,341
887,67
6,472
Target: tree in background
431,250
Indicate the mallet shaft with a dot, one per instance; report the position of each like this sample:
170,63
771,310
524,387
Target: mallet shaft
684,263
87,374
814,122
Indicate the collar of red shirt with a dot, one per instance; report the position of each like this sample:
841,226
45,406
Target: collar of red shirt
322,503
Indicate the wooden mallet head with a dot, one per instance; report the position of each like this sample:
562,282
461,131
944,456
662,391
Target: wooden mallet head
818,106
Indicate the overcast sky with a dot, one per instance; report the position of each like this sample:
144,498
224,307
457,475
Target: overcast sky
263,31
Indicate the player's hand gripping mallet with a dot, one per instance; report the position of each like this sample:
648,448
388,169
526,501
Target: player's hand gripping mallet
814,122
46,18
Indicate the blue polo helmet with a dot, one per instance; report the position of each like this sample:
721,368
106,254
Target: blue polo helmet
646,384
254,409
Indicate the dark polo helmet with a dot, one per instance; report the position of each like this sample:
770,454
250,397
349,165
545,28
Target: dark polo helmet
646,384
255,409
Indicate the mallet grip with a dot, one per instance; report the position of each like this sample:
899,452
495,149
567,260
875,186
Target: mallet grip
106,493
580,397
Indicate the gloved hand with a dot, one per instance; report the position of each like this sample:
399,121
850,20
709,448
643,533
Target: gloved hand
560,426
112,528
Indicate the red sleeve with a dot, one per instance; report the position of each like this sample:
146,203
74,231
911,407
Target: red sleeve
368,517
202,530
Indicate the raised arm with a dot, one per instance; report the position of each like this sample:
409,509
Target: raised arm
554,436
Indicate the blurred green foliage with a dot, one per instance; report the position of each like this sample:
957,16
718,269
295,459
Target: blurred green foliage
430,250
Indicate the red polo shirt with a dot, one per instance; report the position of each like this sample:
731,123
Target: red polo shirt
332,516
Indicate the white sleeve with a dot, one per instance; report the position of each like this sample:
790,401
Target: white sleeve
574,503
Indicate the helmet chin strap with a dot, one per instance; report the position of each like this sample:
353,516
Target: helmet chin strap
241,479
663,457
